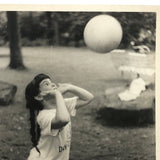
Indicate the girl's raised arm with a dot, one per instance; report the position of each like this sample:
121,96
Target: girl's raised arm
62,115
84,96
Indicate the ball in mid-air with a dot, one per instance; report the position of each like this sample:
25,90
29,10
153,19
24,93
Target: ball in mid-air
103,33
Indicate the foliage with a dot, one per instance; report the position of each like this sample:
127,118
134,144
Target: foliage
66,28
138,27
3,28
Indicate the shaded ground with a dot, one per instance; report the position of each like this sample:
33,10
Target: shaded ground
91,139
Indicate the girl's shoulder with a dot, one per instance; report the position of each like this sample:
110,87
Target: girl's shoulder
45,117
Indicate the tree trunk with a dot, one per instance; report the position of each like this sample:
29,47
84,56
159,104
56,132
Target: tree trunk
16,61
56,32
49,28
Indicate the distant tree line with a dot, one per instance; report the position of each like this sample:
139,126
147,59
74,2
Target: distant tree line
66,28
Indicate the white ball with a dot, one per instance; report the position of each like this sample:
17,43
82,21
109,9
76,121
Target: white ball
103,33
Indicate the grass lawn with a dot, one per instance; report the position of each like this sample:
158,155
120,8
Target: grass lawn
90,139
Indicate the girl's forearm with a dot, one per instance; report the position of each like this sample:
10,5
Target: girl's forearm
62,115
61,111
81,93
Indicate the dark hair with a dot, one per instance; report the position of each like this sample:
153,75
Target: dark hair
34,107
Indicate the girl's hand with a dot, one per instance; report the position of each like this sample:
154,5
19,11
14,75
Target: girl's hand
64,87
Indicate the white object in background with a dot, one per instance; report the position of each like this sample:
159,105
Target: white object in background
138,70
134,91
137,55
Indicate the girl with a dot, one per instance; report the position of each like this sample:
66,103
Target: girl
50,116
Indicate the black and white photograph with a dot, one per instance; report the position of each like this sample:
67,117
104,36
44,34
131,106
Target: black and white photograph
78,83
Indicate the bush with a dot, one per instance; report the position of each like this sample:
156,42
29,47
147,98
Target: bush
36,42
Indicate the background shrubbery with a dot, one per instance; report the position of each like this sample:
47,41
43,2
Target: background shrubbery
66,28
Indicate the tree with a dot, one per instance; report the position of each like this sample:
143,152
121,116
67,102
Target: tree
56,29
16,61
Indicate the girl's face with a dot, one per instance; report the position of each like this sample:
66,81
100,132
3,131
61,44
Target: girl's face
47,85
45,88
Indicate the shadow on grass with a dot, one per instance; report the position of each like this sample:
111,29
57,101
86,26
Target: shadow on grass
125,118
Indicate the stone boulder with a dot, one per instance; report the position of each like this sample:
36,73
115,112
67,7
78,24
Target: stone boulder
7,93
138,111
